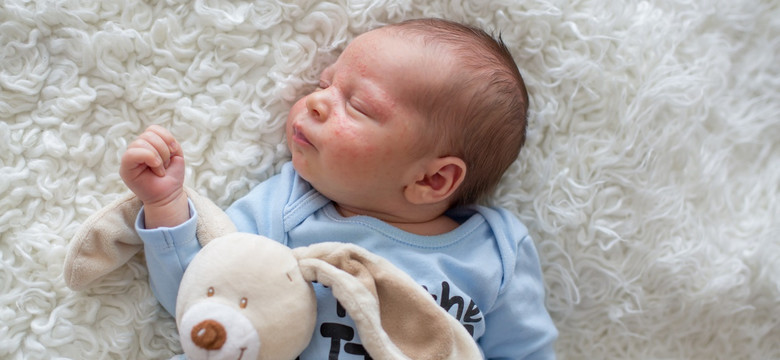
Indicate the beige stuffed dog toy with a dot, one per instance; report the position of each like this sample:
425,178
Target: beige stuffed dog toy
245,296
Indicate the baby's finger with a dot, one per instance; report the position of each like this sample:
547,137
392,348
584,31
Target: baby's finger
138,157
154,161
159,145
173,145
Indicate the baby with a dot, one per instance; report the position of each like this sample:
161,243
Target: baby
407,130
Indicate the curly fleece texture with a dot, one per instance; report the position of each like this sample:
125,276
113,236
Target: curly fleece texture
650,179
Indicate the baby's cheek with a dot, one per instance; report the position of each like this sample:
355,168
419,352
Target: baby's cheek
352,144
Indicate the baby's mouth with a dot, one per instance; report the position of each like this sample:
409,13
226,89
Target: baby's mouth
300,137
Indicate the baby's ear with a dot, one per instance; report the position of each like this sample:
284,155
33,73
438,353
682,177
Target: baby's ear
439,180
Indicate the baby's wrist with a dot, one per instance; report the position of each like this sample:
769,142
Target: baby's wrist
167,213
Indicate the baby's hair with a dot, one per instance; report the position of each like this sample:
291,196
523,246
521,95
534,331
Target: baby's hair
480,113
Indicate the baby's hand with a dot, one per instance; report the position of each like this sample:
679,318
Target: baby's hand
153,168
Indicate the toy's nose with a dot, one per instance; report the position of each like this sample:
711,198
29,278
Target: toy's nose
209,335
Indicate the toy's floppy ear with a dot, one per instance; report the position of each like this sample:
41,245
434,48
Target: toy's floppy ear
107,239
396,318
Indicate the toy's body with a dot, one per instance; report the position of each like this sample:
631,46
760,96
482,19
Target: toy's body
245,296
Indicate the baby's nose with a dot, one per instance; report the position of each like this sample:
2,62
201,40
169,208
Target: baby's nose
320,103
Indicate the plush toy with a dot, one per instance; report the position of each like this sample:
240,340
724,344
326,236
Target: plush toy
245,296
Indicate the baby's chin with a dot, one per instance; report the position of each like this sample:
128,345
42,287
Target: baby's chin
304,173
299,164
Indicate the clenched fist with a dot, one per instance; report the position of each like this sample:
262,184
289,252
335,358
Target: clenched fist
153,168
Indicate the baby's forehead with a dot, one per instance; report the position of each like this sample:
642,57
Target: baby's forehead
410,70
394,51
418,41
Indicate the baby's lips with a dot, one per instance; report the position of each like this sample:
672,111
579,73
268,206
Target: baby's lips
299,136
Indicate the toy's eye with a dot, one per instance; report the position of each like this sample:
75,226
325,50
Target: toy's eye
242,304
210,292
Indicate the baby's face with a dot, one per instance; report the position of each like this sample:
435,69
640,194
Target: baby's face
357,138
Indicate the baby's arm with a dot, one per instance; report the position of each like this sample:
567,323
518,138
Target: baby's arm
518,325
168,253
153,168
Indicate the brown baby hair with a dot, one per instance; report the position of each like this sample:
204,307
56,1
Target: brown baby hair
480,113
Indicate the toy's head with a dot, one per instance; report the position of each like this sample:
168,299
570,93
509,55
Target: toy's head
243,297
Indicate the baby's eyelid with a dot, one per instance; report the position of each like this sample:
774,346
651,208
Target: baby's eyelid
323,84
355,104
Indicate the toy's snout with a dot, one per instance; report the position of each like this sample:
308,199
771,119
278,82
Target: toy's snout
209,335
211,330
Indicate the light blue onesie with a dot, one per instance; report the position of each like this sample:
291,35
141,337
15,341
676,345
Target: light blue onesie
486,272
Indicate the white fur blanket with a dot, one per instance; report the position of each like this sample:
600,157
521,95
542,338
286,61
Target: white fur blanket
650,180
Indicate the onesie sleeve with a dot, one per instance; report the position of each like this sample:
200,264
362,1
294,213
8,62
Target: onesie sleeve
517,325
530,334
168,252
